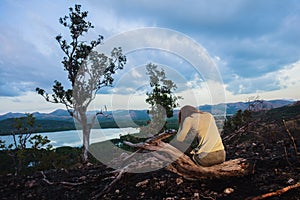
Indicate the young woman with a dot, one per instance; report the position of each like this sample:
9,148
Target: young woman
194,123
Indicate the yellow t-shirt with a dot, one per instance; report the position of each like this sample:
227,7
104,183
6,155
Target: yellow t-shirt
204,126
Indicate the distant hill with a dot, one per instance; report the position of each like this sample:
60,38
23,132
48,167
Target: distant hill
55,115
61,120
11,115
60,112
40,126
232,108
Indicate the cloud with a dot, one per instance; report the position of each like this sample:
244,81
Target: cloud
30,56
136,74
23,67
253,43
11,89
252,37
196,82
289,75
285,77
253,85
27,102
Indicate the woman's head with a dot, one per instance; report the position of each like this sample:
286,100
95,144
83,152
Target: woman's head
186,111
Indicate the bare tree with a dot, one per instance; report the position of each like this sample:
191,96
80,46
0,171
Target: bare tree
255,103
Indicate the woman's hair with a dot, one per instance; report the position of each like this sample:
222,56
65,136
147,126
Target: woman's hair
186,111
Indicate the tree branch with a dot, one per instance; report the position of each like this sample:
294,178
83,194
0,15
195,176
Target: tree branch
275,193
292,139
62,182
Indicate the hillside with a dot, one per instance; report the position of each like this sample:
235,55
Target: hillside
41,125
232,108
60,120
265,141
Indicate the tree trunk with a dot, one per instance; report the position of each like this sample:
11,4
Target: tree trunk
86,130
86,142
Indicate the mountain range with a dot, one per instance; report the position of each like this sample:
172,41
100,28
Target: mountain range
60,119
231,108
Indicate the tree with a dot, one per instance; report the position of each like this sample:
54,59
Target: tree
162,99
88,71
242,118
2,144
23,128
255,103
239,119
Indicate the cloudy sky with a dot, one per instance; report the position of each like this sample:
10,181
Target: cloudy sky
254,46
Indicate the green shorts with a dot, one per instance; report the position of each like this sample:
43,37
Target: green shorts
211,158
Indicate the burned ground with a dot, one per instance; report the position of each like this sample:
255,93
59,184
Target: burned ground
266,142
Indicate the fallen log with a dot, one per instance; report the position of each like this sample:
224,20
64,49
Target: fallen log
183,165
162,154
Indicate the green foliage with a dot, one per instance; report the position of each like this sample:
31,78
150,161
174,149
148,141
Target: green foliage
21,156
2,144
162,99
23,127
236,121
6,165
81,61
65,157
19,159
39,141
40,159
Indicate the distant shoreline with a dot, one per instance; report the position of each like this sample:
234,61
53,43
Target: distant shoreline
73,138
60,120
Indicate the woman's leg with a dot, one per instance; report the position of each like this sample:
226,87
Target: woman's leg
212,158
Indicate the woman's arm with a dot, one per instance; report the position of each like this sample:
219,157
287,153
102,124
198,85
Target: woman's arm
184,129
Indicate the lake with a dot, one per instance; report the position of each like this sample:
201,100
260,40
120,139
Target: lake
73,138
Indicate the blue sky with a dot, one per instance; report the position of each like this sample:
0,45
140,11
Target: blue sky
255,45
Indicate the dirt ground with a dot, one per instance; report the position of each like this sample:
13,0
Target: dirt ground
87,182
268,174
265,144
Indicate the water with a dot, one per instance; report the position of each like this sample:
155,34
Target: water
73,138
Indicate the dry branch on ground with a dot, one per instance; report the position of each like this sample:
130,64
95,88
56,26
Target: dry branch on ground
161,153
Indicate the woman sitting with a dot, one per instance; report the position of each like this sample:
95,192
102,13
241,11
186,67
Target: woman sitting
194,123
